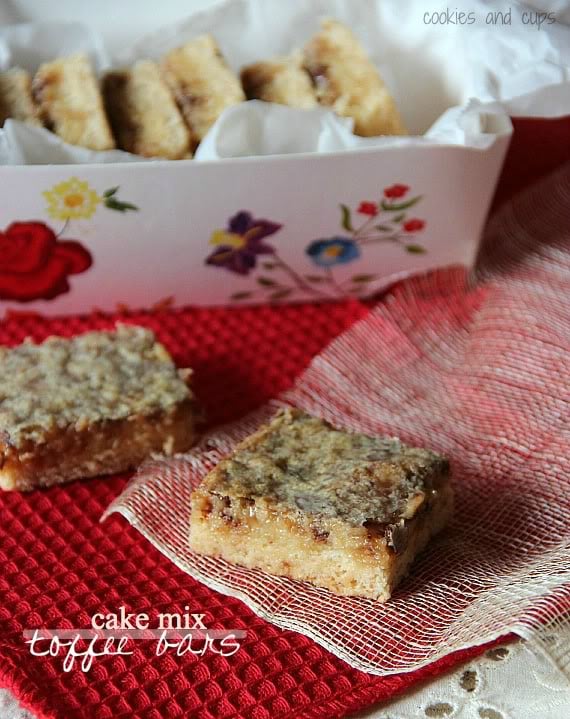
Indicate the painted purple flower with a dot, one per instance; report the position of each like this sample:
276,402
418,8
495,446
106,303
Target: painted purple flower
239,244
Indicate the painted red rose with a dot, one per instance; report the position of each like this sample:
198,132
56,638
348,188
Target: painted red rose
368,208
414,225
35,264
395,191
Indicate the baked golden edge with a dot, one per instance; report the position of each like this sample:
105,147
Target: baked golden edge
348,561
104,447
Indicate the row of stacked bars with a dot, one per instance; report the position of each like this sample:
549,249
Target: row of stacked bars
165,108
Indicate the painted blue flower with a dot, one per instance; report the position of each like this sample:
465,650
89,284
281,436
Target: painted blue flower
333,251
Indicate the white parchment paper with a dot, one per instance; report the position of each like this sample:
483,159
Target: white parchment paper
447,76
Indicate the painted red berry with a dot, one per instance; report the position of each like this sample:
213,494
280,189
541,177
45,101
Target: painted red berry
368,208
414,225
395,191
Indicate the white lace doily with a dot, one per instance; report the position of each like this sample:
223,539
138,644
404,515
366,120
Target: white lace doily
507,682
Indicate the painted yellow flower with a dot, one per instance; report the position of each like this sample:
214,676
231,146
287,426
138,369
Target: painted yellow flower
71,200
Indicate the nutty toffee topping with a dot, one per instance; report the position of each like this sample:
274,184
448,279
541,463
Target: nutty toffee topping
94,377
301,463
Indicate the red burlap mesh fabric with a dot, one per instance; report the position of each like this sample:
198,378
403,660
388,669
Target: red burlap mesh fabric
480,375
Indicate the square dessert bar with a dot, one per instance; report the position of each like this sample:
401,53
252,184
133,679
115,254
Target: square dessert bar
69,99
342,510
346,80
282,80
16,99
202,84
95,404
143,114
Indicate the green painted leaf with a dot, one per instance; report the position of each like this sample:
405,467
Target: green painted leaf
280,294
111,191
317,278
399,218
266,282
240,296
383,228
119,206
415,249
268,265
346,221
399,206
363,278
